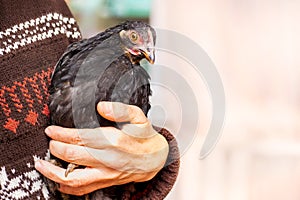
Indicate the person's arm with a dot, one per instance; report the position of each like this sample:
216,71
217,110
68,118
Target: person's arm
134,153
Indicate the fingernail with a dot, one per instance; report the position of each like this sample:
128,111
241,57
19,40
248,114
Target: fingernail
48,130
106,108
37,164
51,129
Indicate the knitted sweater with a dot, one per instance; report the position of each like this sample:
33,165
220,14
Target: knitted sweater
33,35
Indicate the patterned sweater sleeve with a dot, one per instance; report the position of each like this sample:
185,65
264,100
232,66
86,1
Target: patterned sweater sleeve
33,35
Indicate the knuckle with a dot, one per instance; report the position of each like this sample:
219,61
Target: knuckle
134,110
145,176
75,191
113,138
149,176
80,192
75,183
136,114
70,154
69,190
76,139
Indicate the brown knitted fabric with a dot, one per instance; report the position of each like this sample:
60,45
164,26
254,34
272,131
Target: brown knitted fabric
33,35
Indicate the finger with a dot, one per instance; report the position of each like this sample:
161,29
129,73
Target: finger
119,112
79,191
73,153
103,137
139,126
83,181
118,178
78,178
49,170
111,157
103,182
141,131
66,135
138,161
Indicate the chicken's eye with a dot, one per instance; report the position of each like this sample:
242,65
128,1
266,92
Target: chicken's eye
134,37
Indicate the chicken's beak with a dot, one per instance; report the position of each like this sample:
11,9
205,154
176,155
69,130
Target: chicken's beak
149,54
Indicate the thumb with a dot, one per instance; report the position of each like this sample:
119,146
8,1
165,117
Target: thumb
120,112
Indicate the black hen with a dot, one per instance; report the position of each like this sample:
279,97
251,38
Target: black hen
105,67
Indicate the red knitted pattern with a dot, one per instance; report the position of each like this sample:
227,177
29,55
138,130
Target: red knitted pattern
28,107
11,125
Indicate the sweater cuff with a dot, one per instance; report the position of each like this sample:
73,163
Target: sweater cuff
158,187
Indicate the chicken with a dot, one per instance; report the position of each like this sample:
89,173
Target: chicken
105,67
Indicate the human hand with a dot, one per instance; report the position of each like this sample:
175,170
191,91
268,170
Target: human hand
133,153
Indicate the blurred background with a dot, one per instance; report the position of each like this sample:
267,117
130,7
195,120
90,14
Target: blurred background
255,46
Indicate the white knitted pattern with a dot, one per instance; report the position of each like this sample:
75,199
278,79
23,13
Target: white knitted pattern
15,186
35,30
